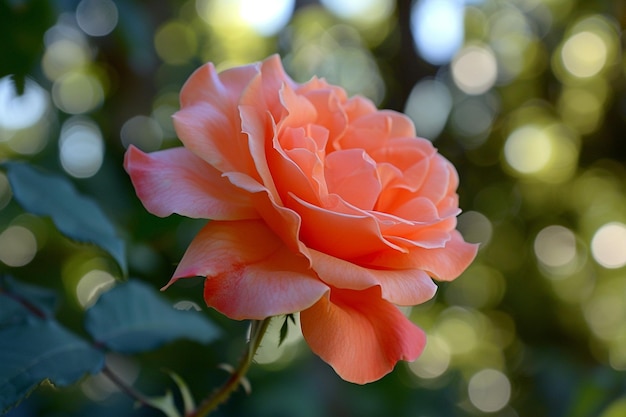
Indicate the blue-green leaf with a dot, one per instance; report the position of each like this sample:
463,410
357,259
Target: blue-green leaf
76,216
43,300
37,350
132,317
12,312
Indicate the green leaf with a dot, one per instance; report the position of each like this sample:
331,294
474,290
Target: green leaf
76,216
132,317
12,312
285,328
37,350
165,404
188,402
22,27
42,300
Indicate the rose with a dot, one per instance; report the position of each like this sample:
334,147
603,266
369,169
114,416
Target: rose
320,204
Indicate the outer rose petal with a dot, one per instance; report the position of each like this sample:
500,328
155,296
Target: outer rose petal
444,264
208,123
360,335
222,89
399,286
177,181
250,272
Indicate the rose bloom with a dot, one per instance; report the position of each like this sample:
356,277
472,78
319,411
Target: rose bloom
319,204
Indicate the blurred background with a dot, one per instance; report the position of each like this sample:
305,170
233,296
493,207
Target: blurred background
526,97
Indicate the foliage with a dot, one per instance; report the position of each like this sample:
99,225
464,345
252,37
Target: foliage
130,318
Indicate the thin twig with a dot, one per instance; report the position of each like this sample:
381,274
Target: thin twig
220,395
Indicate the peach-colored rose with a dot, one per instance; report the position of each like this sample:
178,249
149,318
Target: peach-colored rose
320,204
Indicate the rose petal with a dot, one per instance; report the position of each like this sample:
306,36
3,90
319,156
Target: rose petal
333,230
260,129
399,286
298,169
250,273
282,220
300,111
263,92
360,335
444,264
208,123
404,152
374,130
352,174
357,107
222,90
330,112
177,181
215,136
438,181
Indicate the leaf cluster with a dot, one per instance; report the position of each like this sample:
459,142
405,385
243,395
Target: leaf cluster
130,318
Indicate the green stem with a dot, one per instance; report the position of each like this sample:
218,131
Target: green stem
257,330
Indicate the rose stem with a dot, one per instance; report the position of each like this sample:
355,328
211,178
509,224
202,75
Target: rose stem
257,330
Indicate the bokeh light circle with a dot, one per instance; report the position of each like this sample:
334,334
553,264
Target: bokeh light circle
142,131
474,69
18,246
21,111
367,11
92,285
97,17
489,390
584,54
528,149
555,246
175,42
434,360
266,17
437,27
429,105
608,245
81,147
77,92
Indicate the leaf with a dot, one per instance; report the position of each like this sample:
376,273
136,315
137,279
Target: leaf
76,216
38,350
165,404
133,317
42,300
22,27
12,312
285,328
188,402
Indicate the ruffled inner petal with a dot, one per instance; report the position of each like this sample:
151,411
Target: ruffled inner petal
445,263
399,286
297,163
338,229
352,174
373,131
